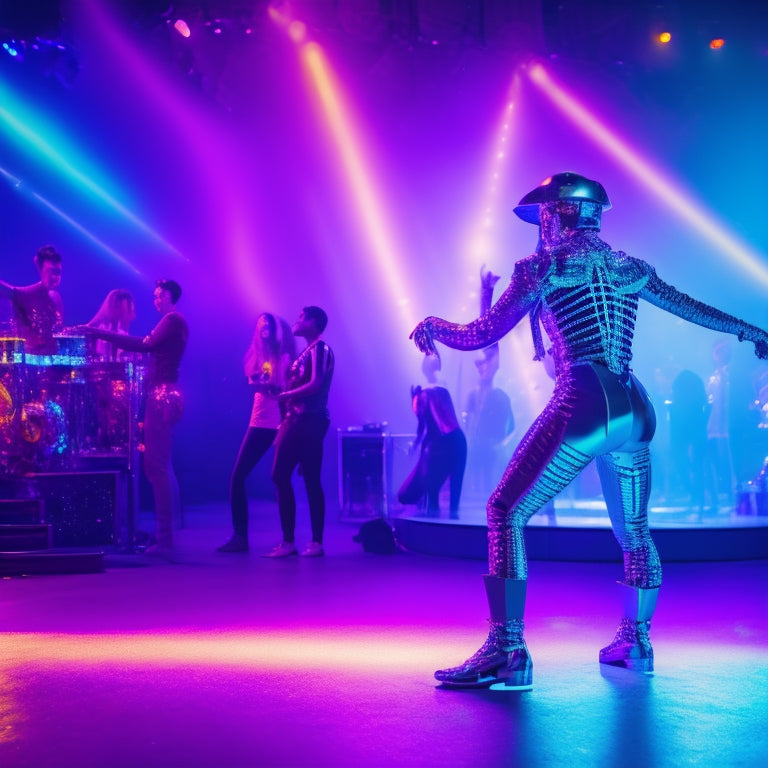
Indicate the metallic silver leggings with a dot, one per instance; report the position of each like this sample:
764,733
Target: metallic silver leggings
593,414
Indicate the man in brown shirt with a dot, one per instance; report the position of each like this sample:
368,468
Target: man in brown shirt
164,347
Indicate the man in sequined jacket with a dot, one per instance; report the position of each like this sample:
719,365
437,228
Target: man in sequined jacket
37,309
586,296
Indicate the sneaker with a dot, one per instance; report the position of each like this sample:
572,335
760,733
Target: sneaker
284,549
313,550
237,543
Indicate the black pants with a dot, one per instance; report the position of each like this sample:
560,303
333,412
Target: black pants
440,458
299,441
255,444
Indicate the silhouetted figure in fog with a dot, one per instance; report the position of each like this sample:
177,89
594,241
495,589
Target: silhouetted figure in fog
443,453
489,418
688,414
719,477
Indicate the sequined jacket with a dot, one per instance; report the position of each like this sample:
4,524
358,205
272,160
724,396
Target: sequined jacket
585,295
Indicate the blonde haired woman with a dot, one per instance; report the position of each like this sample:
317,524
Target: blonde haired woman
265,364
115,314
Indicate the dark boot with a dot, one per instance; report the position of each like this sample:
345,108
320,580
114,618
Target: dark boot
631,647
503,661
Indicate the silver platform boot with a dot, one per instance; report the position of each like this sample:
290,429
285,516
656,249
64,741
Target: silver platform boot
631,647
503,661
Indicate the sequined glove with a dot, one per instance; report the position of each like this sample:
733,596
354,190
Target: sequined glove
667,297
422,336
759,338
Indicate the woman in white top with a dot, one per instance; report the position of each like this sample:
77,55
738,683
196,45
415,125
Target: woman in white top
271,351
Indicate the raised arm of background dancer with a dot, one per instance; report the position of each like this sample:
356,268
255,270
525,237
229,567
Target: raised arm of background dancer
487,283
319,355
667,297
501,318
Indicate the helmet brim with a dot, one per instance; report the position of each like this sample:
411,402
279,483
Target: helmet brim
561,186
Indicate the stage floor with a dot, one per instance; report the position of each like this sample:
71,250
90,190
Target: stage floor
579,529
239,661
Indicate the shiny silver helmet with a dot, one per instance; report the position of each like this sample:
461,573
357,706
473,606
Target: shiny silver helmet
588,199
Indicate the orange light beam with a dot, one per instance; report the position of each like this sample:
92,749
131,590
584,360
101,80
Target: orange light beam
349,146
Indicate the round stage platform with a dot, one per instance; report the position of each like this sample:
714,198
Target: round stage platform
574,530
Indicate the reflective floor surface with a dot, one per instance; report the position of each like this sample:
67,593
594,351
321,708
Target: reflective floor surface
238,660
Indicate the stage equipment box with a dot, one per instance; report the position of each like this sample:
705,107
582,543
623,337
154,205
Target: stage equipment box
370,461
82,508
364,473
21,511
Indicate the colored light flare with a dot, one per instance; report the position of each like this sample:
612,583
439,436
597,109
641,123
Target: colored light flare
220,173
182,27
482,248
18,185
664,38
11,48
266,648
16,118
297,31
717,43
349,144
672,195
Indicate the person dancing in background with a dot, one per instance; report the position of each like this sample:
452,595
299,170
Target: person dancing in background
586,295
164,403
719,476
38,311
115,314
688,413
300,436
489,419
443,453
266,365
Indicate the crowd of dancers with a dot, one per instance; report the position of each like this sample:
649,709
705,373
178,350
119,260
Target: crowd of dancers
289,405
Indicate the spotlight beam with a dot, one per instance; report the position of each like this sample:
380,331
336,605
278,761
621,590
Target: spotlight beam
348,145
222,176
482,245
674,197
268,648
20,129
19,186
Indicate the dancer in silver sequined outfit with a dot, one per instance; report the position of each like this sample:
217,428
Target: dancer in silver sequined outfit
586,296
